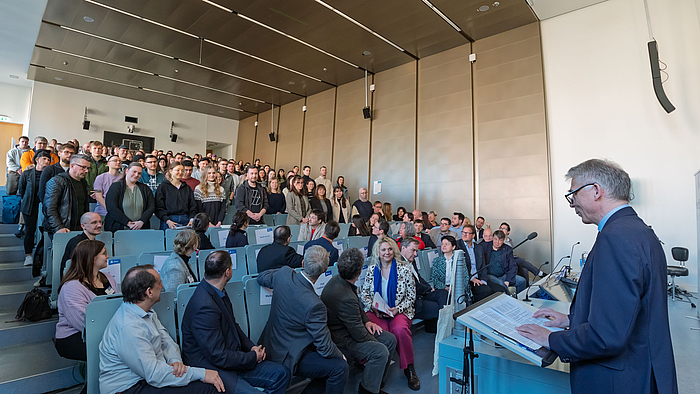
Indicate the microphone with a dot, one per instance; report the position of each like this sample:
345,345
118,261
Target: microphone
560,260
568,268
527,291
530,237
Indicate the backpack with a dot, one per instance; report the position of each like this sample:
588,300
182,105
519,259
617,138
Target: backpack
35,306
10,209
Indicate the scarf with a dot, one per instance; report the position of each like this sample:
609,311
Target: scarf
391,287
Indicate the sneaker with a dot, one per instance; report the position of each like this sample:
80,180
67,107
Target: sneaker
28,260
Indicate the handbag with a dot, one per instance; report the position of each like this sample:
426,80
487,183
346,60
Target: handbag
445,323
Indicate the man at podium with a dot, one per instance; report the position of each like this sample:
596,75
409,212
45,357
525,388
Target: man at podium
618,339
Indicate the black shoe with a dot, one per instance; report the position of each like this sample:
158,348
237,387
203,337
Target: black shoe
413,381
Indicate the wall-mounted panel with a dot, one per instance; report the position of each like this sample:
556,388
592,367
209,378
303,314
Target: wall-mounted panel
291,126
352,136
445,144
393,159
317,149
246,139
511,138
264,148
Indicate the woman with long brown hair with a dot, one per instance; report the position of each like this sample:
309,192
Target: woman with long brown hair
80,285
297,202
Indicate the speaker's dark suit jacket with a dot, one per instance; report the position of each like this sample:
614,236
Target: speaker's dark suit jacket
298,319
619,339
276,255
212,339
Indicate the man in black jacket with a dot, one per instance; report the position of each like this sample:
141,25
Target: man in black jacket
212,339
351,329
250,198
66,198
65,153
419,225
279,253
428,300
28,190
474,260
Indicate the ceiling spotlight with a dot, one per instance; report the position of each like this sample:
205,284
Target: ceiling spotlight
240,103
177,71
14,76
325,69
366,53
58,78
483,8
65,63
88,19
291,82
495,4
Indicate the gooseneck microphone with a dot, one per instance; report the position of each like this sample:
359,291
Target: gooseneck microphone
560,260
530,237
568,267
527,291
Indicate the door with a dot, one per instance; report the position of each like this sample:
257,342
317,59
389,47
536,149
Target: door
8,131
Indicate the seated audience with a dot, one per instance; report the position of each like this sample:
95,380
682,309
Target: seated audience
379,230
399,214
210,197
320,202
456,225
79,286
377,207
326,241
524,266
408,217
408,230
373,219
28,189
393,281
92,227
488,235
296,334
297,203
250,197
358,227
104,181
503,272
137,355
175,205
279,253
427,241
66,198
341,206
176,269
386,211
350,327
200,225
187,167
431,223
130,203
437,233
212,339
362,206
429,301
314,228
474,261
276,200
237,237
340,182
150,176
479,225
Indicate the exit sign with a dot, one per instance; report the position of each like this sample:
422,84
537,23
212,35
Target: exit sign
4,118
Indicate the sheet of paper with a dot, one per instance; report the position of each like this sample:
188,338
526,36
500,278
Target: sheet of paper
363,275
265,296
300,249
322,281
338,245
114,268
263,236
431,256
222,238
377,187
232,252
379,304
158,261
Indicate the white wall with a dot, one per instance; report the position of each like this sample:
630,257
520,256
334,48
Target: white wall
14,102
57,112
601,103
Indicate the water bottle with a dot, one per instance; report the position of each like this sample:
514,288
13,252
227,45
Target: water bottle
582,262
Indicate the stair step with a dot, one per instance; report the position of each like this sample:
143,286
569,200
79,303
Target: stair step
36,368
14,333
15,272
11,253
12,294
10,240
8,228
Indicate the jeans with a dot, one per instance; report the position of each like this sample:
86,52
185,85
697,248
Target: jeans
272,377
180,220
498,283
196,387
30,230
329,374
378,356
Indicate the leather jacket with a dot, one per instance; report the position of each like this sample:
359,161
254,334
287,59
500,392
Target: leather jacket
62,210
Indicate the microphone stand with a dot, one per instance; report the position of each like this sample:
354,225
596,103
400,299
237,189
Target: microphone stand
527,291
571,256
530,236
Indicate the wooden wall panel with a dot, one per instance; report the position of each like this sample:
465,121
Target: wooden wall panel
445,144
264,148
393,159
511,138
291,126
317,148
246,139
352,136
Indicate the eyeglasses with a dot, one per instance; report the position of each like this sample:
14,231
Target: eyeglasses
570,195
467,232
83,167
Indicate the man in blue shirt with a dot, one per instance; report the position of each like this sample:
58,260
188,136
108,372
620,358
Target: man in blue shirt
137,355
326,241
457,222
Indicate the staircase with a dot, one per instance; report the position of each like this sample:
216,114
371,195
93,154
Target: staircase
30,363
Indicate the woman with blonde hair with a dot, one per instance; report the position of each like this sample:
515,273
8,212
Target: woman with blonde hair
176,269
275,199
391,278
209,196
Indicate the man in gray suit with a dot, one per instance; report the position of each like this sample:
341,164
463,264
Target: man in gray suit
296,334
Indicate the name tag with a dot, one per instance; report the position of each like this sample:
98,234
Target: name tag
109,291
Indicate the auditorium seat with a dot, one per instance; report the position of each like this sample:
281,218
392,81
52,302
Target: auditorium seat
425,257
170,238
295,231
240,267
125,263
215,234
149,257
134,242
279,219
257,313
344,228
251,255
358,242
269,220
253,232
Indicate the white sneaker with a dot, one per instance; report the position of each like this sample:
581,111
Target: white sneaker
28,260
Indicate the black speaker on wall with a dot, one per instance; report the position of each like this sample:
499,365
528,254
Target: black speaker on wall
272,137
86,125
366,112
173,137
